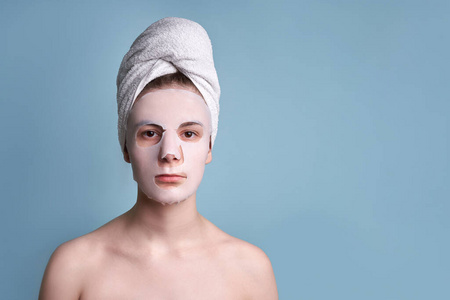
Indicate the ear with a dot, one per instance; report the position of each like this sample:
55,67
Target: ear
209,157
126,156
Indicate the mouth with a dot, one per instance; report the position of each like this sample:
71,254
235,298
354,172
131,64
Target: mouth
170,178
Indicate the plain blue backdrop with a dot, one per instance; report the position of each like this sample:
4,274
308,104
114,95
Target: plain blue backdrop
332,153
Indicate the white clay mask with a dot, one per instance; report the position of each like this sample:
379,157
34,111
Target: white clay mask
168,142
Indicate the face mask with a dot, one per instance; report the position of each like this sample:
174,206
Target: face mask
168,142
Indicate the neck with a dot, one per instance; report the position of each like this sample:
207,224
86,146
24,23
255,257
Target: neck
165,227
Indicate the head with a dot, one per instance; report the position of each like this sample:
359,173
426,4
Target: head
168,139
159,115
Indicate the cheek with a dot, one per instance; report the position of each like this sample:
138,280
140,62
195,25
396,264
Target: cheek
195,154
143,157
194,164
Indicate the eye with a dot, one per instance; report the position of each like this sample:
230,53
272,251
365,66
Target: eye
148,136
149,133
189,134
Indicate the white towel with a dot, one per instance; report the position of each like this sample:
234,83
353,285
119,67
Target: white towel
168,45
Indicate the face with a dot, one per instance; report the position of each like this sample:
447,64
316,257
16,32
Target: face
168,143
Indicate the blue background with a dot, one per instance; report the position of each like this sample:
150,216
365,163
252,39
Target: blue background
333,146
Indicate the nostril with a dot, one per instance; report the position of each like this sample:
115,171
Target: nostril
169,157
174,157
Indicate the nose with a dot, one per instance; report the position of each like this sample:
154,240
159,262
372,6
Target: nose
170,150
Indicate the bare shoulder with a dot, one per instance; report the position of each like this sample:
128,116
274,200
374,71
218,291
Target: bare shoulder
63,275
248,255
69,266
252,266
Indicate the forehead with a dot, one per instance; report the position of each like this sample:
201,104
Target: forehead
170,107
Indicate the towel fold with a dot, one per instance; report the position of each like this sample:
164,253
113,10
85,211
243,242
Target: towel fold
166,46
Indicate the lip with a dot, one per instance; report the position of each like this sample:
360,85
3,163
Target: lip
170,178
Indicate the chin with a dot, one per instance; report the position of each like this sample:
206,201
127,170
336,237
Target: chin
170,203
172,199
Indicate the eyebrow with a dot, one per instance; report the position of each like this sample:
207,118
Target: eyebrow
146,122
186,124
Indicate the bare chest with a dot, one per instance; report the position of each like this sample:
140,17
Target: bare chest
166,279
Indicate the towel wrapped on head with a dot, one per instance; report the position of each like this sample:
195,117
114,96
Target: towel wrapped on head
168,45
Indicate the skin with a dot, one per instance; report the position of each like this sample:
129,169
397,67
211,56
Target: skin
157,251
173,124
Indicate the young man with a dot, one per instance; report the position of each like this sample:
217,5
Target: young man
162,248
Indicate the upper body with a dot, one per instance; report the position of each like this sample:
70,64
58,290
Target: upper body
127,260
162,248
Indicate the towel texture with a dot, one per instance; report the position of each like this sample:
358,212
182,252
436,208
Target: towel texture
168,45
